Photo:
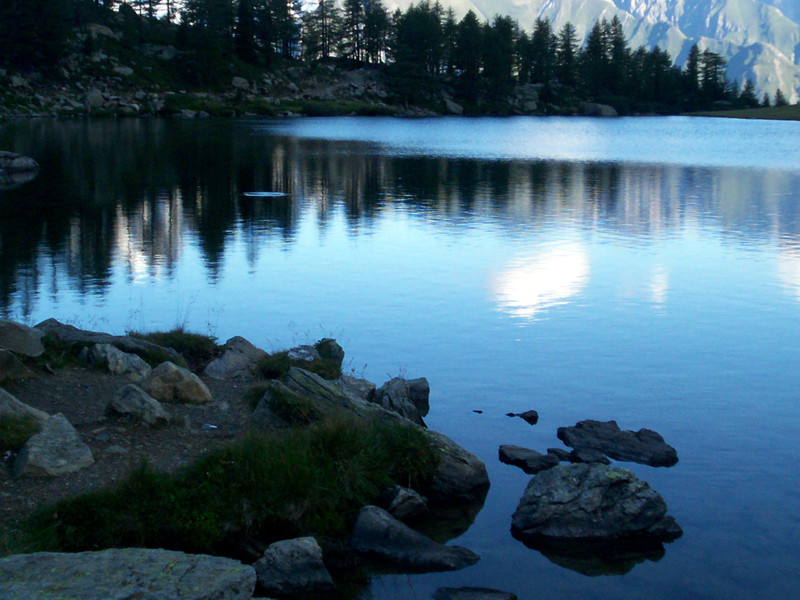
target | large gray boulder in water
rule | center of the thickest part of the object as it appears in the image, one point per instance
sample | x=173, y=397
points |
x=644, y=446
x=125, y=573
x=591, y=502
x=378, y=534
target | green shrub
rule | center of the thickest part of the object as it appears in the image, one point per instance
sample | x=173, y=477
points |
x=292, y=408
x=15, y=431
x=278, y=364
x=197, y=349
x=303, y=481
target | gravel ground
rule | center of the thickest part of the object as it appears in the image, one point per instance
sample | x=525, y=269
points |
x=118, y=444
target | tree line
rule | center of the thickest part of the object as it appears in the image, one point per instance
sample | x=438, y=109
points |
x=420, y=49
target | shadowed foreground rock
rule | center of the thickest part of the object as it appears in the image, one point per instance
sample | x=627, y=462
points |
x=124, y=573
x=294, y=568
x=591, y=502
x=378, y=534
x=644, y=446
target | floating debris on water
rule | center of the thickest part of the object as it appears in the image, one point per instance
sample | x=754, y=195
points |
x=265, y=194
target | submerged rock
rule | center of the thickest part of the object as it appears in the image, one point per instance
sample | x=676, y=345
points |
x=125, y=573
x=378, y=534
x=644, y=446
x=591, y=502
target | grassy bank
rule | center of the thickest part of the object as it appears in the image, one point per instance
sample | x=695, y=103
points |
x=267, y=487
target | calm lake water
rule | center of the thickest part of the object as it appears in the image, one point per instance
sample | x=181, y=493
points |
x=642, y=270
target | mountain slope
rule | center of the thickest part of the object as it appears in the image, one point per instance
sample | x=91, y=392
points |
x=759, y=40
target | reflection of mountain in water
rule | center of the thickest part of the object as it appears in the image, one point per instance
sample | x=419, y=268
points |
x=136, y=192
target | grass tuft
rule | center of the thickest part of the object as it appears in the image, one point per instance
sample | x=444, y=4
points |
x=197, y=349
x=277, y=365
x=15, y=431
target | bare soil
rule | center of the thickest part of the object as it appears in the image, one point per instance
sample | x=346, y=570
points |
x=118, y=444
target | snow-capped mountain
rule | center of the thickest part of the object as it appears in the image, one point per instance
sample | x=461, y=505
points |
x=759, y=38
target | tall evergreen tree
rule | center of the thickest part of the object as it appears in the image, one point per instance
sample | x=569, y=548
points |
x=567, y=55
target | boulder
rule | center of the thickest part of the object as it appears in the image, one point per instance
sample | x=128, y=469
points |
x=13, y=408
x=132, y=401
x=94, y=98
x=125, y=573
x=453, y=107
x=593, y=109
x=172, y=383
x=240, y=83
x=294, y=568
x=56, y=450
x=126, y=343
x=237, y=360
x=305, y=353
x=460, y=476
x=561, y=454
x=378, y=534
x=529, y=461
x=408, y=398
x=531, y=417
x=588, y=455
x=16, y=170
x=643, y=446
x=329, y=349
x=19, y=338
x=471, y=593
x=357, y=388
x=403, y=503
x=120, y=363
x=591, y=502
x=12, y=369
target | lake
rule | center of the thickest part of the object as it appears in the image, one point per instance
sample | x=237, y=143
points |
x=645, y=270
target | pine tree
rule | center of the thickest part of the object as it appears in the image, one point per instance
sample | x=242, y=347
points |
x=780, y=99
x=567, y=55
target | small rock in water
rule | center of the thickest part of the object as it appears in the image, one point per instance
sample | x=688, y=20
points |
x=471, y=593
x=529, y=461
x=529, y=416
x=480, y=412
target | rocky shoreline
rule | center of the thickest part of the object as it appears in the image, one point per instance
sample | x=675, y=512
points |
x=122, y=399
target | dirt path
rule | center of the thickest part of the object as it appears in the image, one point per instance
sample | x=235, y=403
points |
x=118, y=445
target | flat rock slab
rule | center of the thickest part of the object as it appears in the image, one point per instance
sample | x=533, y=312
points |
x=471, y=593
x=591, y=502
x=378, y=534
x=56, y=450
x=644, y=446
x=124, y=573
x=529, y=461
